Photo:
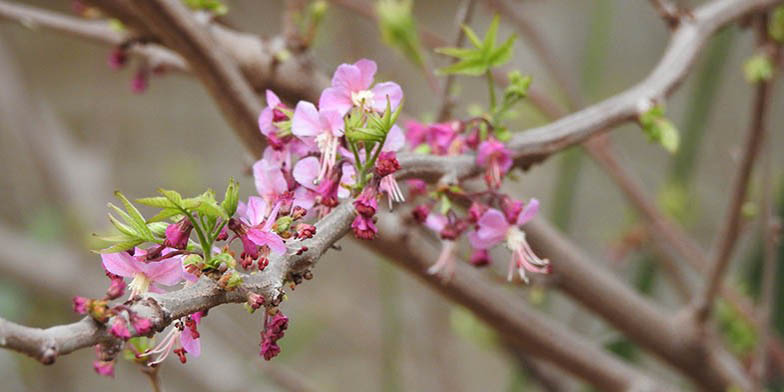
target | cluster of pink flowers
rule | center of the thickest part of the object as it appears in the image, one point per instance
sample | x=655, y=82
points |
x=309, y=162
x=344, y=148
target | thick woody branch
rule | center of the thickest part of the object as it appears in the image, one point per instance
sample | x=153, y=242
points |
x=526, y=329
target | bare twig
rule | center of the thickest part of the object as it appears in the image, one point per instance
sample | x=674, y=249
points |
x=669, y=12
x=462, y=18
x=730, y=226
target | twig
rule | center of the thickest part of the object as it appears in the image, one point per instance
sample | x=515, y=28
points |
x=729, y=231
x=462, y=17
x=669, y=12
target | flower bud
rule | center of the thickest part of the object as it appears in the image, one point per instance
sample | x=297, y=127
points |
x=104, y=368
x=364, y=228
x=480, y=257
x=420, y=213
x=120, y=329
x=81, y=304
x=305, y=230
x=116, y=288
x=387, y=164
x=177, y=234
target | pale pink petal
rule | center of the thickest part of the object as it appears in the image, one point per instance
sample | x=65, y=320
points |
x=272, y=99
x=242, y=210
x=333, y=121
x=528, y=212
x=306, y=171
x=265, y=122
x=121, y=264
x=347, y=179
x=303, y=197
x=166, y=272
x=367, y=70
x=191, y=345
x=492, y=229
x=383, y=90
x=269, y=179
x=395, y=139
x=270, y=239
x=436, y=222
x=333, y=98
x=256, y=210
x=306, y=123
x=348, y=77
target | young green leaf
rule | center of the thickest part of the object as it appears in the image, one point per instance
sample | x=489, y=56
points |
x=231, y=198
x=136, y=219
x=483, y=57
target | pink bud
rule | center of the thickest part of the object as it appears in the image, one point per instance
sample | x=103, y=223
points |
x=104, y=368
x=177, y=234
x=116, y=288
x=117, y=59
x=305, y=230
x=420, y=213
x=81, y=304
x=120, y=329
x=364, y=228
x=142, y=325
x=480, y=258
x=140, y=81
x=387, y=164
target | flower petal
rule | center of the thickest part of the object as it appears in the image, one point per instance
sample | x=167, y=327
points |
x=332, y=120
x=528, y=212
x=348, y=179
x=269, y=179
x=348, y=77
x=306, y=171
x=261, y=238
x=395, y=139
x=306, y=123
x=367, y=70
x=383, y=90
x=120, y=263
x=333, y=98
x=272, y=99
x=256, y=210
x=167, y=272
x=192, y=346
x=435, y=222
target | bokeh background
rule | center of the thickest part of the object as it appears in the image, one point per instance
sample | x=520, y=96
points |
x=71, y=132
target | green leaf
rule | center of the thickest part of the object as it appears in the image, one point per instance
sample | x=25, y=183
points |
x=659, y=129
x=207, y=205
x=157, y=201
x=483, y=57
x=173, y=197
x=158, y=228
x=776, y=24
x=121, y=246
x=136, y=221
x=398, y=30
x=164, y=214
x=123, y=228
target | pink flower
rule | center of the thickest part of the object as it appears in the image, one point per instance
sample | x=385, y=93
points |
x=496, y=159
x=104, y=368
x=366, y=204
x=320, y=128
x=256, y=231
x=494, y=228
x=270, y=181
x=273, y=113
x=185, y=334
x=146, y=276
x=325, y=192
x=274, y=329
x=364, y=228
x=351, y=87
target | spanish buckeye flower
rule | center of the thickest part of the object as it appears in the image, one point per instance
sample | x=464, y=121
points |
x=259, y=220
x=306, y=173
x=351, y=88
x=494, y=228
x=445, y=265
x=145, y=276
x=323, y=129
x=185, y=333
x=269, y=116
x=496, y=159
x=442, y=138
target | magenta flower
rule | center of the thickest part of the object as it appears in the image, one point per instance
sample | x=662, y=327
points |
x=259, y=220
x=273, y=113
x=184, y=334
x=496, y=159
x=364, y=228
x=145, y=276
x=326, y=192
x=442, y=138
x=351, y=88
x=177, y=234
x=270, y=181
x=274, y=329
x=120, y=328
x=494, y=228
x=320, y=128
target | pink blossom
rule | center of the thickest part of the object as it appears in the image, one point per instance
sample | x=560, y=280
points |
x=81, y=304
x=326, y=192
x=494, y=228
x=496, y=159
x=351, y=87
x=272, y=114
x=320, y=128
x=269, y=179
x=184, y=334
x=260, y=219
x=274, y=329
x=146, y=276
x=364, y=228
